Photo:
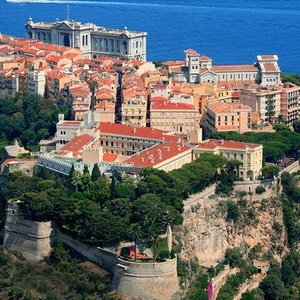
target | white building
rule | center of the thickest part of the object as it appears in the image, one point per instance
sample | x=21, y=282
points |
x=36, y=82
x=199, y=68
x=92, y=40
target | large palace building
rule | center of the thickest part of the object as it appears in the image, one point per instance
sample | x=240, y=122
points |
x=92, y=40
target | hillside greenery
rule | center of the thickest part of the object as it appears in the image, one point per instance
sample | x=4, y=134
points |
x=61, y=276
x=100, y=211
x=293, y=78
x=29, y=119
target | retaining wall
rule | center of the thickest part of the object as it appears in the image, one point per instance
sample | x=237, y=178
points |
x=28, y=239
x=250, y=186
x=102, y=257
x=143, y=280
x=146, y=280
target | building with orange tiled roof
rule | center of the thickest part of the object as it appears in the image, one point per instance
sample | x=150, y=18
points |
x=134, y=100
x=80, y=97
x=179, y=118
x=221, y=116
x=250, y=155
x=167, y=156
x=105, y=111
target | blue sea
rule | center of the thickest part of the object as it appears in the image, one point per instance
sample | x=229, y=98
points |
x=231, y=32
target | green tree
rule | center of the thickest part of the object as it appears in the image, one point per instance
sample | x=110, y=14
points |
x=135, y=232
x=273, y=287
x=76, y=180
x=124, y=190
x=86, y=170
x=95, y=172
x=235, y=257
x=296, y=126
x=270, y=107
x=270, y=171
x=154, y=242
x=233, y=212
x=101, y=190
x=113, y=187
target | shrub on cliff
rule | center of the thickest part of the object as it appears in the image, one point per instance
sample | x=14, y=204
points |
x=233, y=212
x=260, y=190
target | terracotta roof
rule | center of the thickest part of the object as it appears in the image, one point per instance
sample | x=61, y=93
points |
x=76, y=144
x=173, y=63
x=233, y=68
x=222, y=107
x=138, y=132
x=172, y=106
x=205, y=58
x=270, y=67
x=109, y=157
x=270, y=57
x=212, y=144
x=71, y=123
x=157, y=154
x=18, y=160
x=158, y=99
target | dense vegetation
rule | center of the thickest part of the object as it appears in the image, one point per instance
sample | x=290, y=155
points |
x=276, y=145
x=28, y=119
x=60, y=277
x=99, y=211
x=293, y=78
x=291, y=205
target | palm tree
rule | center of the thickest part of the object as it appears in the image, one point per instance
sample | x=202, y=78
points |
x=154, y=242
x=76, y=180
x=135, y=231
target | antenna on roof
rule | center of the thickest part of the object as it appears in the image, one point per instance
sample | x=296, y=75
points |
x=68, y=10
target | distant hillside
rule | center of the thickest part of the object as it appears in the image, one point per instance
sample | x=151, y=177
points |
x=294, y=78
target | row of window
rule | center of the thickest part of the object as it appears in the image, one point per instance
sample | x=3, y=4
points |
x=85, y=40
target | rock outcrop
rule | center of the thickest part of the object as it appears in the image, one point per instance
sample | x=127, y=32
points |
x=205, y=233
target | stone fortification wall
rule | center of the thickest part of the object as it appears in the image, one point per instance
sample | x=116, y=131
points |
x=101, y=257
x=146, y=280
x=294, y=167
x=28, y=239
x=250, y=186
x=142, y=280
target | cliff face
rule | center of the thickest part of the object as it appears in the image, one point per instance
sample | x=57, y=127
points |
x=205, y=233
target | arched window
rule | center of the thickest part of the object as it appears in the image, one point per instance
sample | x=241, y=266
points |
x=83, y=40
x=67, y=40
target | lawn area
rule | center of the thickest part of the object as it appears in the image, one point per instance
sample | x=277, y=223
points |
x=162, y=245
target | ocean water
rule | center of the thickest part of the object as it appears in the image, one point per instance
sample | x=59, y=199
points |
x=229, y=31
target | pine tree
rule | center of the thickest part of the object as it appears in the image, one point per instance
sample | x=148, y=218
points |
x=86, y=170
x=72, y=172
x=113, y=187
x=96, y=172
x=270, y=108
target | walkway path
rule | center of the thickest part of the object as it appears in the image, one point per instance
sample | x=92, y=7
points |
x=199, y=198
x=220, y=280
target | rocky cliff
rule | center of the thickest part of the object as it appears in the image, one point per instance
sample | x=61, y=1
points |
x=206, y=234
